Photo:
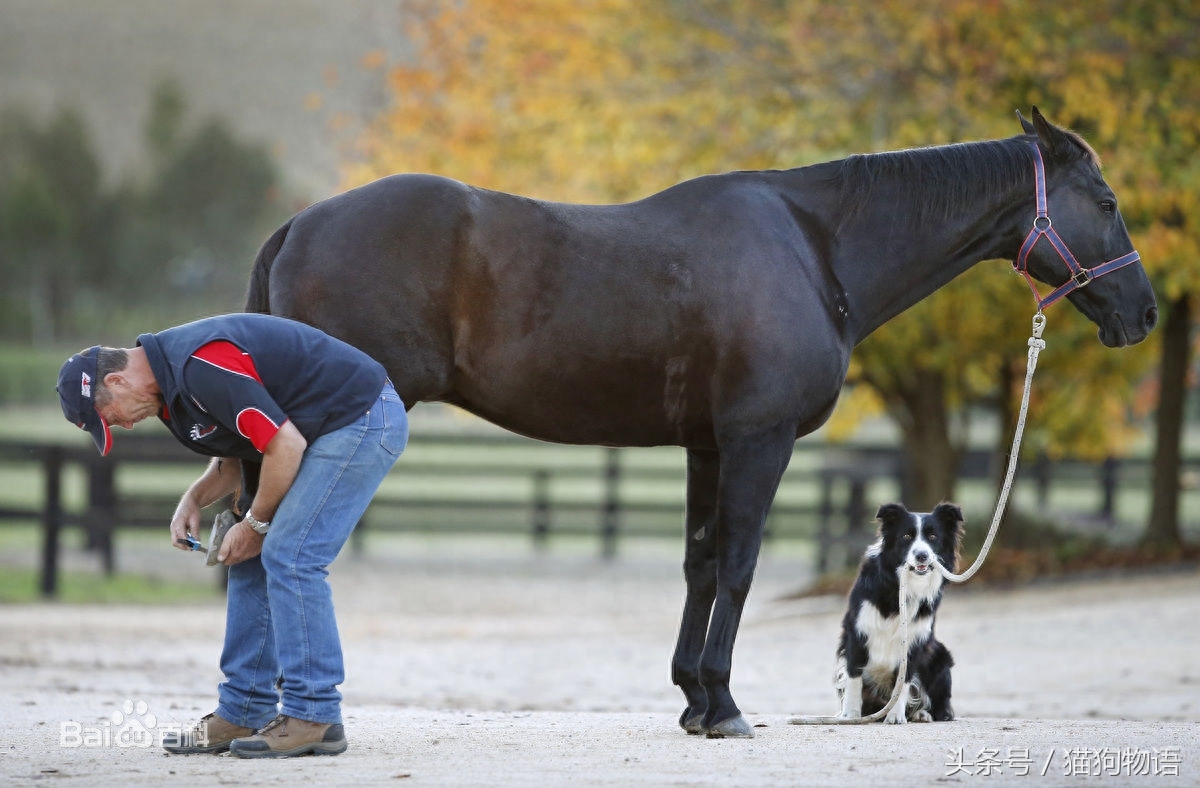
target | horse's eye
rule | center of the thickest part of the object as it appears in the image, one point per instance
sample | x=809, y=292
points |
x=1108, y=206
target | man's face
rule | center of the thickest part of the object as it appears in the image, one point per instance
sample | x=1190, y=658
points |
x=127, y=406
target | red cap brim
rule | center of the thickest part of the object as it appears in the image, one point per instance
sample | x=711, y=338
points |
x=101, y=434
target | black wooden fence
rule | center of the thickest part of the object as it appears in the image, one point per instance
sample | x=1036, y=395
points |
x=612, y=493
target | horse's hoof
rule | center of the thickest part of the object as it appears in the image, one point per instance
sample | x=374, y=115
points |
x=694, y=724
x=732, y=728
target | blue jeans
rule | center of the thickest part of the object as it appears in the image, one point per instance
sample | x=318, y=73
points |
x=281, y=638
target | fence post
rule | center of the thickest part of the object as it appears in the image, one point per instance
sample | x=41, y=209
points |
x=611, y=513
x=825, y=522
x=541, y=507
x=1108, y=485
x=51, y=520
x=1043, y=472
x=102, y=510
x=856, y=509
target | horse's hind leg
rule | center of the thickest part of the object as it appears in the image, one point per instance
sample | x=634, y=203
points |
x=700, y=574
x=750, y=471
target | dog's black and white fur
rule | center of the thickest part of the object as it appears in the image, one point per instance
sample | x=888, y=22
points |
x=869, y=651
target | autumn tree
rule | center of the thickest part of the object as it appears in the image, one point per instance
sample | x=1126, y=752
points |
x=956, y=71
x=1156, y=86
x=608, y=100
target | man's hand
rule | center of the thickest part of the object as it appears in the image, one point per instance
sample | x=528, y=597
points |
x=186, y=520
x=218, y=480
x=240, y=543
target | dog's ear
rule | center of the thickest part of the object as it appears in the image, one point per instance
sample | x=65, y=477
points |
x=890, y=514
x=951, y=517
x=949, y=514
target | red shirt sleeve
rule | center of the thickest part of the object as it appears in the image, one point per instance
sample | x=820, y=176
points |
x=228, y=386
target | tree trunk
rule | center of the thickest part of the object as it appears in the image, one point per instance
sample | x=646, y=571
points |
x=1162, y=530
x=931, y=458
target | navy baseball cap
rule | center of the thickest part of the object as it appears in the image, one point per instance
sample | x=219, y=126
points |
x=76, y=384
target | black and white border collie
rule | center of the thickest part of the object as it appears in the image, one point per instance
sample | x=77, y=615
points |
x=868, y=656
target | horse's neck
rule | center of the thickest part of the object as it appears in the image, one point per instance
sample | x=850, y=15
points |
x=891, y=249
x=902, y=274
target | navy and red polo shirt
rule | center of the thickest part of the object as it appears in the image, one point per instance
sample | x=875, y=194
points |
x=229, y=383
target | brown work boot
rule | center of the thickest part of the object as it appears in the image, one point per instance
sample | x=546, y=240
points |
x=286, y=736
x=211, y=734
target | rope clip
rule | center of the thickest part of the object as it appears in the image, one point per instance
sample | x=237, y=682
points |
x=1036, y=343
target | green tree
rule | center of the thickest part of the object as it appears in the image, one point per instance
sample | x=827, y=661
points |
x=84, y=261
x=52, y=221
x=193, y=219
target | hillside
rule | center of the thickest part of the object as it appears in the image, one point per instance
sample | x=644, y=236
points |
x=281, y=71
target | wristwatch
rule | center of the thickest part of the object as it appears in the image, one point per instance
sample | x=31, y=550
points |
x=256, y=525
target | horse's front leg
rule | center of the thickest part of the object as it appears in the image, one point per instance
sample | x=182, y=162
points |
x=750, y=471
x=700, y=574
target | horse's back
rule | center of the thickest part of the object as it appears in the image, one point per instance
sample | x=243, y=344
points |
x=373, y=266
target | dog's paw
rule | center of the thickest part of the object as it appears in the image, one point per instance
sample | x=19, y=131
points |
x=921, y=716
x=896, y=716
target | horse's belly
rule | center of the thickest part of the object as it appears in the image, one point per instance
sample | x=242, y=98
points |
x=570, y=401
x=570, y=395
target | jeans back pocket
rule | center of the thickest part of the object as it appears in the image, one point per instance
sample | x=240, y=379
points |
x=394, y=436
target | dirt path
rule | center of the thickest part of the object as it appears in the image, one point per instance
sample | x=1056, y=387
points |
x=493, y=666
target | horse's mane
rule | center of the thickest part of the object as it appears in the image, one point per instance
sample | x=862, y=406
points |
x=945, y=178
x=941, y=179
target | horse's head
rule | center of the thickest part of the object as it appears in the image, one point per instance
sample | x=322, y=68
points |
x=1082, y=223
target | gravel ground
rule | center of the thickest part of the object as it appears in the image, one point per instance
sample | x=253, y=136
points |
x=474, y=662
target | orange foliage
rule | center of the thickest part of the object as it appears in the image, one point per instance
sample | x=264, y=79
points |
x=609, y=100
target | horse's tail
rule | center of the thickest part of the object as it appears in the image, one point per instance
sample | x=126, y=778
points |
x=258, y=298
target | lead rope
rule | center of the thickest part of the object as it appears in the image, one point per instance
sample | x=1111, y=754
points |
x=1036, y=346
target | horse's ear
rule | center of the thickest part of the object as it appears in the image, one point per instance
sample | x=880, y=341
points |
x=1025, y=124
x=1053, y=139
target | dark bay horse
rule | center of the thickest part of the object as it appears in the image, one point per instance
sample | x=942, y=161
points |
x=717, y=315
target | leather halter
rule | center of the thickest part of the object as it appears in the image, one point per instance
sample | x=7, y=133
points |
x=1044, y=228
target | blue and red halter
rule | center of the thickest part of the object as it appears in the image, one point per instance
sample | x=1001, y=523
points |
x=1044, y=228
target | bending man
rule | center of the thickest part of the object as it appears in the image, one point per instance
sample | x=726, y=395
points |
x=307, y=426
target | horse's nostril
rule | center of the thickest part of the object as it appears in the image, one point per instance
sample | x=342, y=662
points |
x=1151, y=318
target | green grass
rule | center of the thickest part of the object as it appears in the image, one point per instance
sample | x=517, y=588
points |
x=20, y=585
x=20, y=576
